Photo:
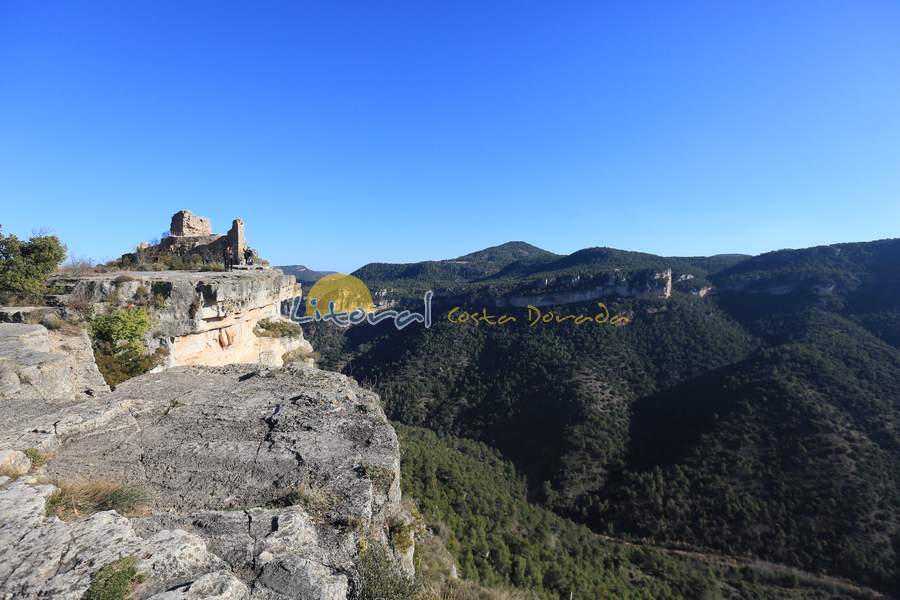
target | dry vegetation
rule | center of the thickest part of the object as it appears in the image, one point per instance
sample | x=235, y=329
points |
x=317, y=501
x=381, y=477
x=299, y=355
x=37, y=457
x=7, y=471
x=270, y=328
x=75, y=499
x=78, y=266
x=403, y=530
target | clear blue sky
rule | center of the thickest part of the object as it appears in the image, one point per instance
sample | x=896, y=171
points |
x=349, y=132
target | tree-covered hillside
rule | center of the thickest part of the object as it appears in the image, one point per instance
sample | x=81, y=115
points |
x=860, y=281
x=792, y=454
x=759, y=420
x=475, y=504
x=440, y=273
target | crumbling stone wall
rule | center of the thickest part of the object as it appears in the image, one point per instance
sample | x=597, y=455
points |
x=193, y=242
x=187, y=224
x=237, y=241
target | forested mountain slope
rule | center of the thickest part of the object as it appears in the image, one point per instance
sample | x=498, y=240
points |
x=759, y=419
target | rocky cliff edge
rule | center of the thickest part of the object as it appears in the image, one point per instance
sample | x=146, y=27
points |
x=258, y=484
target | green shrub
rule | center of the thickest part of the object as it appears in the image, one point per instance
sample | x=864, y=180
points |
x=119, y=344
x=52, y=322
x=122, y=327
x=117, y=366
x=269, y=328
x=115, y=581
x=142, y=296
x=25, y=266
x=402, y=531
x=161, y=288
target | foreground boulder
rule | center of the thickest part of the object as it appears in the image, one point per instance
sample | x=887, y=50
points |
x=259, y=484
x=48, y=364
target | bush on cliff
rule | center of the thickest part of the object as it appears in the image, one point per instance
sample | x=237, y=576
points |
x=119, y=349
x=270, y=328
x=25, y=266
x=376, y=577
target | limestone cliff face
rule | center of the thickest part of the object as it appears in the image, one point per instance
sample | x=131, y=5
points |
x=201, y=318
x=577, y=288
x=263, y=484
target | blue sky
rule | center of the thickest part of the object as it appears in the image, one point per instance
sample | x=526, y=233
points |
x=349, y=132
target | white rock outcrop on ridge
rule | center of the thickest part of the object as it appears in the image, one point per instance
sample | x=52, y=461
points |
x=202, y=318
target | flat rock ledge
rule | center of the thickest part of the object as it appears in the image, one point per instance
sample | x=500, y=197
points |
x=261, y=484
x=38, y=363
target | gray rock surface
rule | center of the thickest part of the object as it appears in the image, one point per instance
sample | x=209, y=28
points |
x=221, y=585
x=88, y=382
x=28, y=368
x=262, y=484
x=52, y=365
x=14, y=462
x=44, y=557
x=23, y=314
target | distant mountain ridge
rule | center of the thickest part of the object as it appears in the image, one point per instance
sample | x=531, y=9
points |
x=472, y=266
x=304, y=274
x=761, y=418
x=521, y=268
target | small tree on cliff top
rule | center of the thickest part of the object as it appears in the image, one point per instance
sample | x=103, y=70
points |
x=25, y=266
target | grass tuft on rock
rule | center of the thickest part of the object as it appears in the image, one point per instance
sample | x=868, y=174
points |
x=299, y=355
x=381, y=477
x=37, y=457
x=6, y=471
x=317, y=501
x=75, y=499
x=270, y=328
x=115, y=581
x=377, y=577
x=403, y=529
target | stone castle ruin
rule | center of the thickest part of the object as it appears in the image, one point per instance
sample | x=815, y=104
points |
x=191, y=242
x=187, y=224
x=201, y=315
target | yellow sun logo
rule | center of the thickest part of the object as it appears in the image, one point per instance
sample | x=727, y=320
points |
x=346, y=291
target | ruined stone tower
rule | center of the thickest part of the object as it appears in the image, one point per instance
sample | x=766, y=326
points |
x=236, y=240
x=187, y=224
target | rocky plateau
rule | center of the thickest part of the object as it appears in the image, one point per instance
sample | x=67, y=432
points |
x=259, y=483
